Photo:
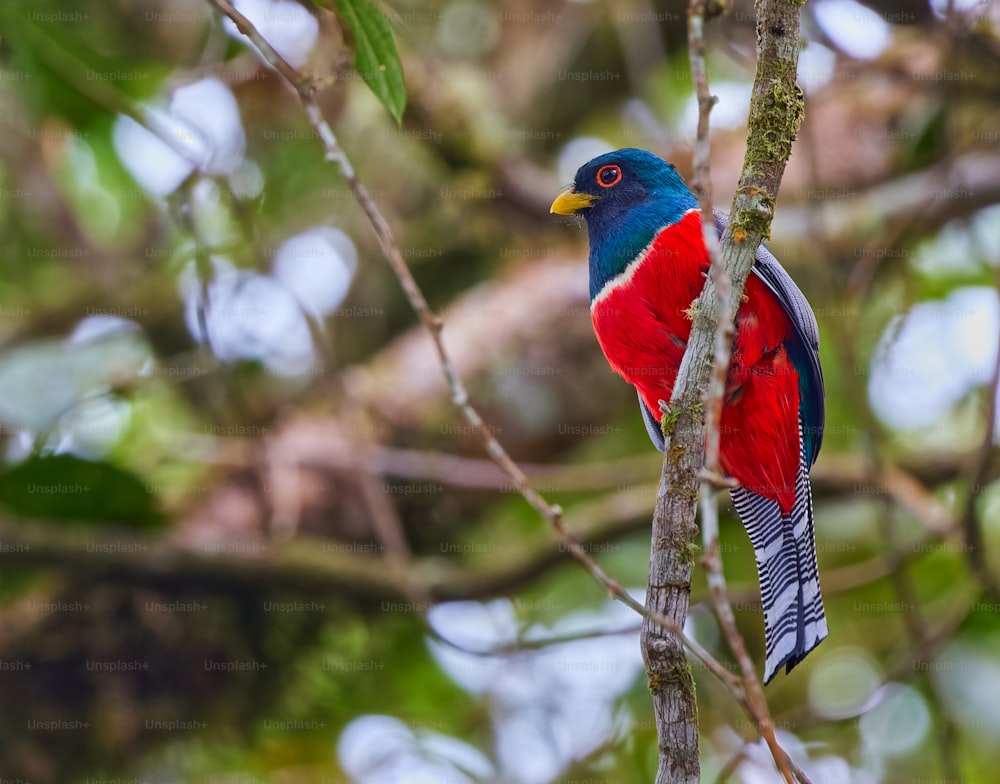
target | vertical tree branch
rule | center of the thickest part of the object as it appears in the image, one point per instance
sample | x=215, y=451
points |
x=714, y=397
x=776, y=109
x=668, y=592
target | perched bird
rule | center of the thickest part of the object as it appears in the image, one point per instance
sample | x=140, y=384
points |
x=648, y=263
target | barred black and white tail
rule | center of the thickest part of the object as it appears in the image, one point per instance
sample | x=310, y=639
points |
x=785, y=549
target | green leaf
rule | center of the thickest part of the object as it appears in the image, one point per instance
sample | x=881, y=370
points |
x=64, y=487
x=375, y=56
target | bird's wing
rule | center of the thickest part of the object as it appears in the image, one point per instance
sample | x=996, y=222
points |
x=652, y=425
x=804, y=351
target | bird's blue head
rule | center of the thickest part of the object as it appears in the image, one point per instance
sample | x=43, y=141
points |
x=626, y=197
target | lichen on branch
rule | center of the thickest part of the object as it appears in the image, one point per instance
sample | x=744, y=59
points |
x=776, y=111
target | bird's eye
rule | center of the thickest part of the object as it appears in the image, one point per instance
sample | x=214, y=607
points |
x=608, y=176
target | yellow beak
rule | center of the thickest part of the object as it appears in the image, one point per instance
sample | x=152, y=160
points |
x=570, y=202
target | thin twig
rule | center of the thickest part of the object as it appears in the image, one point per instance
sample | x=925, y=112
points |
x=524, y=646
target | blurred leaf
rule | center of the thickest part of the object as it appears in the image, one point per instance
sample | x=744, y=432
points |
x=41, y=381
x=29, y=395
x=76, y=71
x=108, y=206
x=63, y=487
x=375, y=56
x=14, y=583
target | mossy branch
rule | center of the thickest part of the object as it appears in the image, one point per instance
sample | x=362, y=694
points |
x=776, y=110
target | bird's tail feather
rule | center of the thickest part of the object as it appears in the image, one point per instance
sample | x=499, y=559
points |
x=785, y=550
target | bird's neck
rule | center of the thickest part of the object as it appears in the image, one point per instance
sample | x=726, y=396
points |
x=618, y=245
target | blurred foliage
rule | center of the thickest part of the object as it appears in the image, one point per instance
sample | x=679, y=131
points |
x=204, y=360
x=66, y=487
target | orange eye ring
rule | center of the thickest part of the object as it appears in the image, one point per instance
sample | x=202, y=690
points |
x=609, y=175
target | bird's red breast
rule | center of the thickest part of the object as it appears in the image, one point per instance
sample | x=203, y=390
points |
x=642, y=322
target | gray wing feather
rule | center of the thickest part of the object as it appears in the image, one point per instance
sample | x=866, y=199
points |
x=652, y=425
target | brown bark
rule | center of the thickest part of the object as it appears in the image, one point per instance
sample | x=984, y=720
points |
x=776, y=110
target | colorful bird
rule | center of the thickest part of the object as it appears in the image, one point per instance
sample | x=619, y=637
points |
x=648, y=263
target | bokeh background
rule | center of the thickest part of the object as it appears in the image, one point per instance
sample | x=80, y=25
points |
x=245, y=537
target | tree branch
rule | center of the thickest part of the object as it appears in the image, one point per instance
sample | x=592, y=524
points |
x=671, y=683
x=714, y=397
x=776, y=109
